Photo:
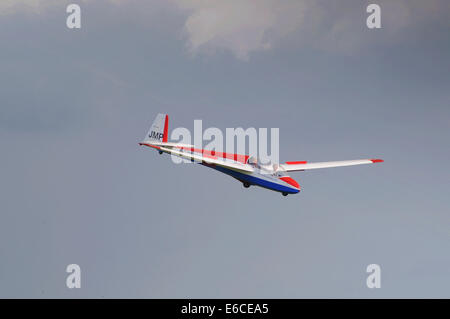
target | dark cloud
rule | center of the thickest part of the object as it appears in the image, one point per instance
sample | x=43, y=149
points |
x=76, y=188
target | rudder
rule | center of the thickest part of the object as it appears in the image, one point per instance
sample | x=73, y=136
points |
x=159, y=130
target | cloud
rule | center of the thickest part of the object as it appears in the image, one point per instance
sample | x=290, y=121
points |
x=40, y=6
x=37, y=6
x=241, y=26
x=246, y=26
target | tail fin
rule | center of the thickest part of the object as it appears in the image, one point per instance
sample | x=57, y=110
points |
x=159, y=130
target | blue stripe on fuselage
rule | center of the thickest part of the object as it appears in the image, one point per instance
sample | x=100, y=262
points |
x=255, y=180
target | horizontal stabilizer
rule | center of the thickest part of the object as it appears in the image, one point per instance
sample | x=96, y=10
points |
x=167, y=144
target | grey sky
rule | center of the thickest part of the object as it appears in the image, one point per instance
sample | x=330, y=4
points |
x=76, y=188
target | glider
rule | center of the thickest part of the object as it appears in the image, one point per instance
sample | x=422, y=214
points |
x=247, y=169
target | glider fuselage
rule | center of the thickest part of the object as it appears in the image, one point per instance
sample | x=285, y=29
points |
x=272, y=181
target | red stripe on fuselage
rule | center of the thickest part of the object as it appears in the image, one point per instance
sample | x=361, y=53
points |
x=214, y=154
x=290, y=181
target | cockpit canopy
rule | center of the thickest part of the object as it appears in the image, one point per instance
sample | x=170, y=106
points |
x=273, y=169
x=252, y=160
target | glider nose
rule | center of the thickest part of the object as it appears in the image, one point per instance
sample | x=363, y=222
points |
x=290, y=181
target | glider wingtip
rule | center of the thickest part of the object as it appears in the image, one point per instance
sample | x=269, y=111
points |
x=377, y=160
